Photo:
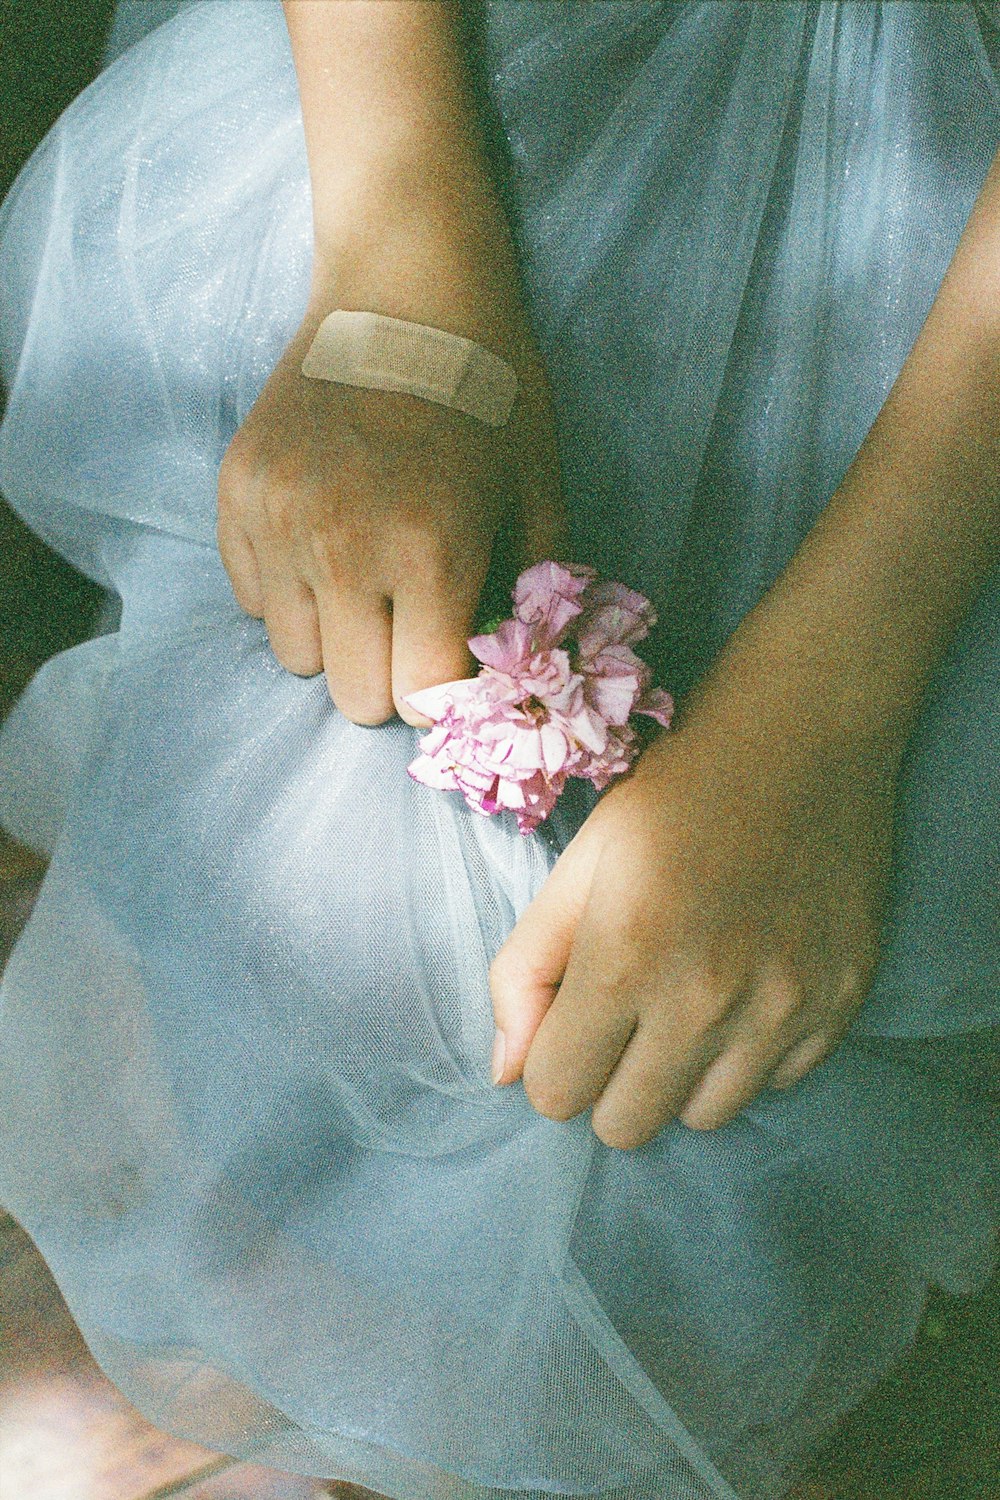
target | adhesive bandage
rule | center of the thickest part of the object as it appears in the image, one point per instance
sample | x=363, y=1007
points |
x=390, y=354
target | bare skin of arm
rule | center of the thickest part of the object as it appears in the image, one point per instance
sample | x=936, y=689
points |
x=360, y=525
x=713, y=927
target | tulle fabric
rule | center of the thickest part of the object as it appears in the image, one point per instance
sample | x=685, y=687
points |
x=244, y=1038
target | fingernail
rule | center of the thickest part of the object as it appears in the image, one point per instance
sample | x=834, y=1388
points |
x=499, y=1052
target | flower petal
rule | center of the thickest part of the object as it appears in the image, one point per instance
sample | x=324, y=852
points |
x=547, y=596
x=506, y=649
x=434, y=773
x=658, y=704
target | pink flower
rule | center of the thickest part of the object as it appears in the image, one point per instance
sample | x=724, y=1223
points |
x=613, y=615
x=547, y=596
x=506, y=648
x=553, y=698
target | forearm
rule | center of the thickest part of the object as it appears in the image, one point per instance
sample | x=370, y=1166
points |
x=404, y=207
x=866, y=608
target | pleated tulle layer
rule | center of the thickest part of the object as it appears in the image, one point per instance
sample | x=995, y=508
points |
x=244, y=1038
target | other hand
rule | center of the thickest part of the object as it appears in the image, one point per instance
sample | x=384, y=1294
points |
x=713, y=927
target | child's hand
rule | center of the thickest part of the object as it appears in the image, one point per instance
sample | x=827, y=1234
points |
x=712, y=928
x=360, y=524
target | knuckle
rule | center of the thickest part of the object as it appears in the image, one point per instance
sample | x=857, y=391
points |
x=335, y=547
x=410, y=518
x=324, y=552
x=629, y=932
x=789, y=1000
x=234, y=561
x=225, y=530
x=421, y=544
x=829, y=1039
x=226, y=542
x=282, y=512
x=283, y=473
x=712, y=1003
x=852, y=985
x=716, y=1012
x=235, y=471
x=858, y=972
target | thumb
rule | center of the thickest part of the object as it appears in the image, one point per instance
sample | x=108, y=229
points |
x=528, y=967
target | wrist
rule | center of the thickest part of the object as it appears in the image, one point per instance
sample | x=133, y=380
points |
x=457, y=273
x=407, y=178
x=813, y=679
x=850, y=634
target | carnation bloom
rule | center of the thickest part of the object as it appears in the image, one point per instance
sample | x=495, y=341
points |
x=558, y=684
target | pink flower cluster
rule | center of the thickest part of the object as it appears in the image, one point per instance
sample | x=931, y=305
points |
x=553, y=698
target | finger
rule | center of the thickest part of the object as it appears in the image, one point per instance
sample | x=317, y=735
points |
x=685, y=1030
x=731, y=1082
x=802, y=1059
x=774, y=1015
x=527, y=969
x=431, y=623
x=240, y=562
x=585, y=1028
x=356, y=630
x=641, y=1094
x=844, y=996
x=605, y=989
x=291, y=618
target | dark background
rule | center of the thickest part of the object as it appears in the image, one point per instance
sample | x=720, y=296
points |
x=49, y=50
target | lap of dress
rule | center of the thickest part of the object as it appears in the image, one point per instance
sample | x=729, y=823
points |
x=244, y=1038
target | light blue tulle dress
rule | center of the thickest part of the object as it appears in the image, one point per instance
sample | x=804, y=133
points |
x=245, y=1106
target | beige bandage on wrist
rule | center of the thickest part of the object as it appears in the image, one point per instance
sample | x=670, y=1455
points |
x=390, y=354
